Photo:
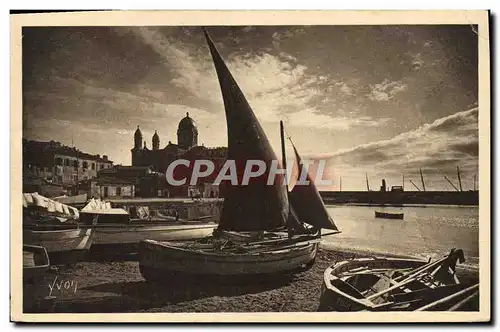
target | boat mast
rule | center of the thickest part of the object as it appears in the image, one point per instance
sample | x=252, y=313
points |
x=422, y=178
x=403, y=182
x=451, y=183
x=340, y=180
x=367, y=184
x=459, y=179
x=475, y=182
x=77, y=167
x=415, y=185
x=283, y=153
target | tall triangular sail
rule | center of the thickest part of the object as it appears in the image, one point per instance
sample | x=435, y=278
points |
x=256, y=206
x=307, y=201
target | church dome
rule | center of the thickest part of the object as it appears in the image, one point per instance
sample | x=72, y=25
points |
x=187, y=133
x=187, y=124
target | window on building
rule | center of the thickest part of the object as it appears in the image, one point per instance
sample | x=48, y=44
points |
x=85, y=164
x=66, y=162
x=75, y=163
x=118, y=191
x=93, y=166
x=58, y=161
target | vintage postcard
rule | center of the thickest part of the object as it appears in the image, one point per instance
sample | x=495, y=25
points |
x=316, y=166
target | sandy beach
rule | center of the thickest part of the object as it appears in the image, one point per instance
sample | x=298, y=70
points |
x=105, y=286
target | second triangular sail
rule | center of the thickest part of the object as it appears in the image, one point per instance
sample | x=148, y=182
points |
x=307, y=201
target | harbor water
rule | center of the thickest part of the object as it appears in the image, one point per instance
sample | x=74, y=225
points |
x=426, y=231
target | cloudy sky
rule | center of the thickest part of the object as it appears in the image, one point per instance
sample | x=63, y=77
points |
x=386, y=100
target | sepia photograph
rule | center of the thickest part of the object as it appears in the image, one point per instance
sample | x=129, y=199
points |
x=252, y=166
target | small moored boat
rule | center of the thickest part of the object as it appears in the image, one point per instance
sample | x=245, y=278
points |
x=389, y=215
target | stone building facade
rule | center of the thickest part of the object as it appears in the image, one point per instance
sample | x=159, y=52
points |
x=58, y=165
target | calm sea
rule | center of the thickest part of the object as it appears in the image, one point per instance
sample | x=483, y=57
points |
x=426, y=231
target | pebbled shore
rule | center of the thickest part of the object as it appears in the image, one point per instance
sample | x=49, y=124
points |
x=103, y=286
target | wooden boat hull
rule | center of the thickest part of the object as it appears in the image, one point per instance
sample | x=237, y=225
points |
x=59, y=243
x=337, y=295
x=133, y=234
x=157, y=258
x=36, y=262
x=36, y=272
x=386, y=215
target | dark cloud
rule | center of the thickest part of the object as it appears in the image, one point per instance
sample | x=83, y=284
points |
x=437, y=148
x=453, y=123
x=471, y=148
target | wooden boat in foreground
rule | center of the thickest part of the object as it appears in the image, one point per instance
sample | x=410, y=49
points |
x=389, y=284
x=35, y=262
x=194, y=259
x=263, y=229
x=389, y=215
x=36, y=272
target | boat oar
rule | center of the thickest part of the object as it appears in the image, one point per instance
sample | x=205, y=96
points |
x=284, y=247
x=411, y=276
x=331, y=233
x=425, y=267
x=448, y=298
x=282, y=239
x=461, y=303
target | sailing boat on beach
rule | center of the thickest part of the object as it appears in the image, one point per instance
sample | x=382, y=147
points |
x=263, y=229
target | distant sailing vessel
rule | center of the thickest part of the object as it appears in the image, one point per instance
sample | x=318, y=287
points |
x=389, y=215
x=395, y=284
x=263, y=229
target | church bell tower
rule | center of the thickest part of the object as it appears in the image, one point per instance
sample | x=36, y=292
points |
x=136, y=151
